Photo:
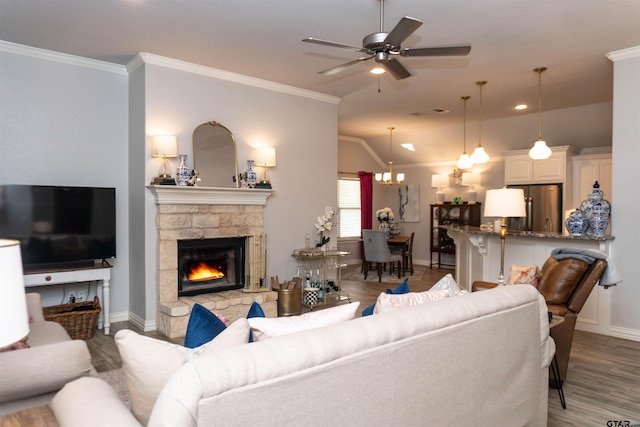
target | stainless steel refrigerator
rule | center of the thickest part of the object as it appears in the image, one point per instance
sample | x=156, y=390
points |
x=543, y=206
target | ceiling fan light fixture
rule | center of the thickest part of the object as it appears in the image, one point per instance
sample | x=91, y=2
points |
x=387, y=177
x=377, y=70
x=540, y=150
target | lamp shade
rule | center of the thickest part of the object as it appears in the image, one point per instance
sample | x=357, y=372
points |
x=164, y=146
x=14, y=320
x=266, y=157
x=505, y=202
x=540, y=151
x=471, y=178
x=439, y=180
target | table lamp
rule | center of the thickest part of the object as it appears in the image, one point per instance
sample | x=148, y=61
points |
x=471, y=179
x=439, y=181
x=164, y=146
x=265, y=157
x=503, y=203
x=14, y=319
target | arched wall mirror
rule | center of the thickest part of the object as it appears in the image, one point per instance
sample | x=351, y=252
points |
x=214, y=155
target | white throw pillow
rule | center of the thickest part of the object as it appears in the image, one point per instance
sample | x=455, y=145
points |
x=390, y=302
x=148, y=363
x=449, y=283
x=263, y=328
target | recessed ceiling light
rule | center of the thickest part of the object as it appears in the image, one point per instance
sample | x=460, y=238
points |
x=409, y=147
x=521, y=107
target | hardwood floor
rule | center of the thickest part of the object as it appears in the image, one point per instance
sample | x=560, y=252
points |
x=603, y=382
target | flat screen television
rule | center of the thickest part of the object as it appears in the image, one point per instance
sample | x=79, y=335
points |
x=59, y=227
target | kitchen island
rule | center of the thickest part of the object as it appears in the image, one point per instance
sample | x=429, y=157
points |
x=478, y=258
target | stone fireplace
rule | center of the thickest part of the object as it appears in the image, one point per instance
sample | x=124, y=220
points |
x=197, y=214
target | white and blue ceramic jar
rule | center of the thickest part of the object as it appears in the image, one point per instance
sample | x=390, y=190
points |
x=182, y=173
x=599, y=219
x=595, y=198
x=576, y=223
x=252, y=177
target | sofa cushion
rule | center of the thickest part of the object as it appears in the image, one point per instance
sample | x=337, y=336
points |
x=390, y=302
x=402, y=288
x=448, y=283
x=263, y=328
x=203, y=326
x=560, y=278
x=148, y=363
x=519, y=274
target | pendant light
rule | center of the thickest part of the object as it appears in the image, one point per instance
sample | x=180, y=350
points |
x=387, y=177
x=480, y=156
x=540, y=151
x=464, y=162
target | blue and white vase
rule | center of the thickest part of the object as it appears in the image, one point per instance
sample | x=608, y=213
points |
x=599, y=220
x=182, y=173
x=384, y=227
x=576, y=223
x=252, y=176
x=595, y=198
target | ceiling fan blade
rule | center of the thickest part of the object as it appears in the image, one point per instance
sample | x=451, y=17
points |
x=396, y=69
x=437, y=51
x=333, y=44
x=402, y=30
x=337, y=69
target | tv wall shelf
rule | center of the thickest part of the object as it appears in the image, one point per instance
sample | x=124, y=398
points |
x=100, y=273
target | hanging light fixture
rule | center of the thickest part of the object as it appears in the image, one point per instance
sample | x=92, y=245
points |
x=464, y=162
x=540, y=151
x=480, y=156
x=387, y=177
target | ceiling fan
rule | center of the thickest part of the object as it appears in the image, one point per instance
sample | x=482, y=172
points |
x=382, y=46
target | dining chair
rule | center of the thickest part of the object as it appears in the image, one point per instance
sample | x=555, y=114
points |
x=407, y=261
x=376, y=250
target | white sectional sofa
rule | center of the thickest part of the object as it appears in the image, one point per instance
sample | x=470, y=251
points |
x=477, y=359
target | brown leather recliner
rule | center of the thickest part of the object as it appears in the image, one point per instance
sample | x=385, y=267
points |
x=565, y=286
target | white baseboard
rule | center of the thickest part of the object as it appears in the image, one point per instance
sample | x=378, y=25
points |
x=626, y=333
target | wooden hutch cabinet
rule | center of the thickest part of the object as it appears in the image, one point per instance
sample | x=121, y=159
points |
x=449, y=214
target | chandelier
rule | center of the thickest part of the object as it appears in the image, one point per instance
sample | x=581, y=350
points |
x=387, y=177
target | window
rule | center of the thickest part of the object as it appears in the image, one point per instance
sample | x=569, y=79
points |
x=348, y=207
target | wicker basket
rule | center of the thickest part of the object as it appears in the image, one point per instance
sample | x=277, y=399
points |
x=78, y=319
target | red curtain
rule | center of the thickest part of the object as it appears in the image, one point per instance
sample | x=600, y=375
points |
x=366, y=200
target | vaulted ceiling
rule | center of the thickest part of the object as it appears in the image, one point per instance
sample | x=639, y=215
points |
x=262, y=38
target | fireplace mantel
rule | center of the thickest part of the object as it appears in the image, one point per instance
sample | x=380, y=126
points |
x=174, y=195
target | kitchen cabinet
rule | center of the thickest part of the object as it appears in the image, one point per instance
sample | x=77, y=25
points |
x=587, y=170
x=519, y=168
x=450, y=214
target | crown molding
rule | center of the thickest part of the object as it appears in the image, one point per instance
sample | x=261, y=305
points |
x=619, y=55
x=148, y=58
x=64, y=58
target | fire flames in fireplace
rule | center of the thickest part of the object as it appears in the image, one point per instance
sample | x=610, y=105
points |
x=202, y=272
x=210, y=265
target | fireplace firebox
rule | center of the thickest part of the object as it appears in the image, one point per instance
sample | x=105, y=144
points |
x=210, y=265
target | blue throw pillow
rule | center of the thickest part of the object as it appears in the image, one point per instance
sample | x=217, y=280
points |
x=402, y=288
x=254, y=311
x=203, y=326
